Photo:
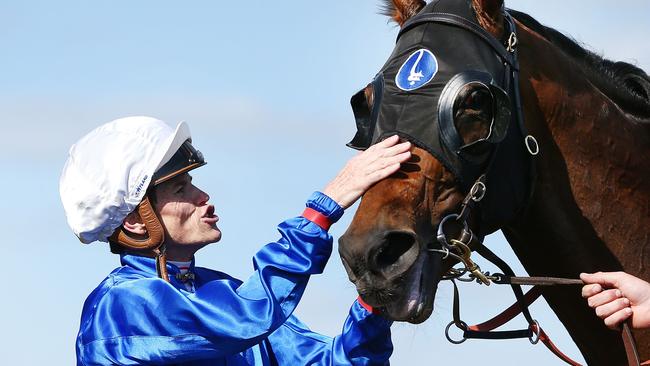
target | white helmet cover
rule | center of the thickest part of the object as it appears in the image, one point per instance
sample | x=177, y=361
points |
x=109, y=170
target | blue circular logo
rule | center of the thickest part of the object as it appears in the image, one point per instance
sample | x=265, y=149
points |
x=417, y=70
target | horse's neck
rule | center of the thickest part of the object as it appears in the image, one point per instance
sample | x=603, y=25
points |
x=601, y=162
x=593, y=183
x=589, y=210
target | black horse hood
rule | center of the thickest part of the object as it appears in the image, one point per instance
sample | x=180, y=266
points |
x=415, y=90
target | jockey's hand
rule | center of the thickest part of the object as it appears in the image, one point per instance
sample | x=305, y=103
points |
x=617, y=296
x=367, y=168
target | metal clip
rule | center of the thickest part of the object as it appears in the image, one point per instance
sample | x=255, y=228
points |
x=184, y=277
x=466, y=256
x=512, y=42
x=460, y=249
x=481, y=278
x=498, y=278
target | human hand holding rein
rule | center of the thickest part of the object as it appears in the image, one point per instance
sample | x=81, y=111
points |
x=617, y=296
x=367, y=168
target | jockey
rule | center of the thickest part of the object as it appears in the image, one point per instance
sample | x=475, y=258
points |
x=127, y=183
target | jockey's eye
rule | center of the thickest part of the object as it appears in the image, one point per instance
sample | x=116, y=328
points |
x=473, y=112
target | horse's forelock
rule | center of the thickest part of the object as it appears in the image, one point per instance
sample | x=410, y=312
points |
x=489, y=15
x=489, y=8
x=401, y=10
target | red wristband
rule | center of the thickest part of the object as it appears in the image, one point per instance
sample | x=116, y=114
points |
x=317, y=218
x=367, y=307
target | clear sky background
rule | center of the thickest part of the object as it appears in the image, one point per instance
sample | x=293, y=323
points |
x=265, y=87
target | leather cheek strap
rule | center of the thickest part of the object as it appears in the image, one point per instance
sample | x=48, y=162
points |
x=156, y=233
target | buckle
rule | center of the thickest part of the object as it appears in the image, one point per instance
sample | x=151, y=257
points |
x=511, y=44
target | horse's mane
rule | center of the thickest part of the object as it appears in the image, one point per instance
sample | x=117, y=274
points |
x=627, y=85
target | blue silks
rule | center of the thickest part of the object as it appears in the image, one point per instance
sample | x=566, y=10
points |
x=135, y=318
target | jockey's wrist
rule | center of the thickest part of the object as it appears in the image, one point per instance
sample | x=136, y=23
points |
x=326, y=206
x=317, y=218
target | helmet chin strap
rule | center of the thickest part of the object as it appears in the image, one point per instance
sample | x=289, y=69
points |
x=161, y=262
x=152, y=243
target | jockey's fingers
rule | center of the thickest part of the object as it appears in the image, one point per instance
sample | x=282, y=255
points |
x=399, y=158
x=380, y=153
x=614, y=320
x=591, y=290
x=603, y=297
x=387, y=142
x=606, y=310
x=396, y=149
x=388, y=161
x=607, y=279
x=384, y=172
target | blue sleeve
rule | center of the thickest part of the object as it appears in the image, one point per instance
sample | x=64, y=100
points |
x=365, y=340
x=148, y=320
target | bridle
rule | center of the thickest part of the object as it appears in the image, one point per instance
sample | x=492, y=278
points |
x=460, y=247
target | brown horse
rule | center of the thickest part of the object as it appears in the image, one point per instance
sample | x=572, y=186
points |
x=586, y=208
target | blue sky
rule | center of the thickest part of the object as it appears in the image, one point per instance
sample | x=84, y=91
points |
x=265, y=88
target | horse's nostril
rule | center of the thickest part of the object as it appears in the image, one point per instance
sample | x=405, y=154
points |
x=395, y=246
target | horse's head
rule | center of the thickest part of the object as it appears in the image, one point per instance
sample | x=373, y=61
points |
x=448, y=88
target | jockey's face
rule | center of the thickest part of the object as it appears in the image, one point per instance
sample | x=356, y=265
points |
x=190, y=222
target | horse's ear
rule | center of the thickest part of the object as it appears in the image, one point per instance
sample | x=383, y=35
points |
x=489, y=13
x=401, y=10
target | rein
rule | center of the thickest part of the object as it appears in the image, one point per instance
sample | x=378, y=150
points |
x=461, y=249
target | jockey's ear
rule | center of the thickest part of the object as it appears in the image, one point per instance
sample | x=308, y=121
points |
x=401, y=10
x=489, y=14
x=133, y=223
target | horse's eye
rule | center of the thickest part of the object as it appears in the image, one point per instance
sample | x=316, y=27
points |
x=473, y=112
x=478, y=100
x=370, y=96
x=475, y=98
x=362, y=106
